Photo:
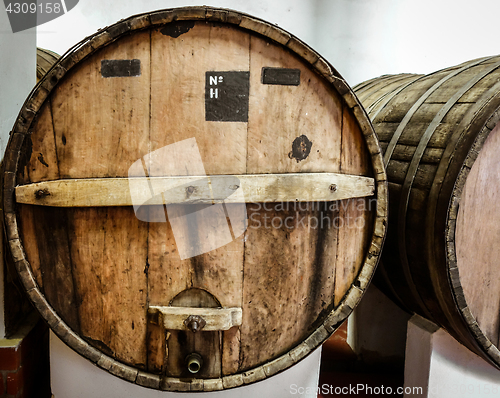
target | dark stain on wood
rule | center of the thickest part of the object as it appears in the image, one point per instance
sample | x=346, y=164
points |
x=42, y=161
x=55, y=263
x=177, y=29
x=24, y=158
x=100, y=346
x=301, y=148
x=198, y=266
x=156, y=347
x=120, y=67
x=42, y=193
x=317, y=282
x=281, y=76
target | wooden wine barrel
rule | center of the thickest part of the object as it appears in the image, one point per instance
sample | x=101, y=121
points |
x=194, y=199
x=440, y=137
x=44, y=61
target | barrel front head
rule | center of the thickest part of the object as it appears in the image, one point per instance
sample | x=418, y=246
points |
x=194, y=199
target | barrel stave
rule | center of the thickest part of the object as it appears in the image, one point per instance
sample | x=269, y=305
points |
x=401, y=103
x=412, y=137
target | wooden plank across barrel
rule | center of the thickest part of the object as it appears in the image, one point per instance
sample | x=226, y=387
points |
x=194, y=199
x=440, y=136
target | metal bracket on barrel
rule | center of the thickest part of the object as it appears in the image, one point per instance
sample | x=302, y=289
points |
x=195, y=319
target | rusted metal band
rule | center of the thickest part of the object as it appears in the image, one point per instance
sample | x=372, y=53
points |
x=399, y=131
x=374, y=89
x=384, y=100
x=368, y=87
x=447, y=156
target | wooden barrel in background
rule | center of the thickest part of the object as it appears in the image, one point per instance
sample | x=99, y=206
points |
x=225, y=104
x=440, y=137
x=44, y=61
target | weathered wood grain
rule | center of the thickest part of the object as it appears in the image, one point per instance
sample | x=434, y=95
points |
x=378, y=104
x=308, y=113
x=109, y=255
x=111, y=282
x=56, y=265
x=30, y=244
x=281, y=240
x=43, y=163
x=278, y=275
x=44, y=61
x=222, y=148
x=355, y=215
x=117, y=117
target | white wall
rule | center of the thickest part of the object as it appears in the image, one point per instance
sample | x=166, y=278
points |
x=369, y=38
x=296, y=16
x=444, y=368
x=361, y=38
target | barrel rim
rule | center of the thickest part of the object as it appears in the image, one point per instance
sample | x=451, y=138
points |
x=149, y=20
x=489, y=349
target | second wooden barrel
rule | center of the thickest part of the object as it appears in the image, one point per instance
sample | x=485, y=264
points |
x=194, y=199
x=44, y=61
x=441, y=138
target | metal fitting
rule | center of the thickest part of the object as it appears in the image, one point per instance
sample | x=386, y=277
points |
x=194, y=362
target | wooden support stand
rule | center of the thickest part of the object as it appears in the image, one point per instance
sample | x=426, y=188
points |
x=438, y=366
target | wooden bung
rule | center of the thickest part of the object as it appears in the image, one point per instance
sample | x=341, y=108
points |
x=194, y=199
x=440, y=136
